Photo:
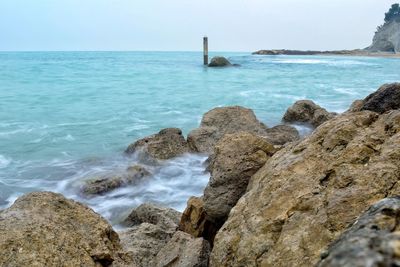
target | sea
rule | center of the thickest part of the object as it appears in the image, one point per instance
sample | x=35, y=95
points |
x=66, y=117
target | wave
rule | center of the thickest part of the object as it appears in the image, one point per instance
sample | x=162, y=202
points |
x=4, y=161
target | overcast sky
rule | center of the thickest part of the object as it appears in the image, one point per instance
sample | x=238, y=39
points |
x=232, y=25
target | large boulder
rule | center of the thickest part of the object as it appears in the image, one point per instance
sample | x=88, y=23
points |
x=307, y=194
x=166, y=218
x=194, y=220
x=166, y=144
x=374, y=240
x=183, y=250
x=219, y=62
x=281, y=134
x=236, y=158
x=46, y=229
x=306, y=111
x=101, y=185
x=142, y=242
x=220, y=121
x=386, y=98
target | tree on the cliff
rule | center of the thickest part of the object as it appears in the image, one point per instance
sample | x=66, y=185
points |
x=393, y=13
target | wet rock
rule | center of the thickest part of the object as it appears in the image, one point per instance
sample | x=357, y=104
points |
x=143, y=242
x=166, y=144
x=194, y=220
x=236, y=158
x=306, y=111
x=220, y=121
x=219, y=62
x=99, y=186
x=356, y=106
x=374, y=240
x=386, y=98
x=308, y=193
x=282, y=134
x=183, y=250
x=46, y=229
x=166, y=218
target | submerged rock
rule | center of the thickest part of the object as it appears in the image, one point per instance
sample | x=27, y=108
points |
x=308, y=193
x=219, y=62
x=236, y=158
x=166, y=218
x=194, y=220
x=46, y=229
x=183, y=250
x=166, y=144
x=374, y=240
x=306, y=111
x=102, y=185
x=143, y=242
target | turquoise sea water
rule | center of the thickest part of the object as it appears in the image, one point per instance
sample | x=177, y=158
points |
x=68, y=116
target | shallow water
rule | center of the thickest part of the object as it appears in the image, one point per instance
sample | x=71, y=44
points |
x=67, y=116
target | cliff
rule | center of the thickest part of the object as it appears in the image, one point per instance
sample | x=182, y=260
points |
x=387, y=38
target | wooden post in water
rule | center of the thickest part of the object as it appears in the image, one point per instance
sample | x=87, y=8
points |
x=205, y=50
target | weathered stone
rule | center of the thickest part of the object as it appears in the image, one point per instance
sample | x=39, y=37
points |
x=306, y=111
x=387, y=38
x=46, y=229
x=183, y=250
x=166, y=144
x=282, y=134
x=374, y=240
x=220, y=121
x=386, y=98
x=356, y=106
x=219, y=62
x=99, y=186
x=166, y=218
x=308, y=193
x=194, y=220
x=236, y=158
x=143, y=242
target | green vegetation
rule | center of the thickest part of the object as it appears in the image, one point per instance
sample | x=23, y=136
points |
x=393, y=13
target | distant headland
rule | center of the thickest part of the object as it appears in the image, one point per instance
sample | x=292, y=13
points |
x=386, y=41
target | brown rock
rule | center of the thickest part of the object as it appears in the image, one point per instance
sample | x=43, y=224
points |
x=306, y=111
x=166, y=144
x=236, y=158
x=374, y=240
x=220, y=121
x=183, y=250
x=99, y=186
x=282, y=134
x=386, y=98
x=143, y=242
x=166, y=218
x=194, y=220
x=46, y=229
x=307, y=194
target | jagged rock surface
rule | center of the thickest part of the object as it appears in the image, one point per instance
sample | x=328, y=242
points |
x=46, y=229
x=306, y=111
x=236, y=158
x=166, y=144
x=307, y=194
x=374, y=240
x=386, y=98
x=183, y=250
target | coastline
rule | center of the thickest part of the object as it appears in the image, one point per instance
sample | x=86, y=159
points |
x=355, y=53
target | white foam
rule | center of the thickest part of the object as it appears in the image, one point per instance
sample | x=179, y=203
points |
x=4, y=161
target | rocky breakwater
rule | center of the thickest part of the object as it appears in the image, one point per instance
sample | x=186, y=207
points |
x=307, y=193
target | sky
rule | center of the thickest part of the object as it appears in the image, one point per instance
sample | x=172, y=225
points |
x=179, y=25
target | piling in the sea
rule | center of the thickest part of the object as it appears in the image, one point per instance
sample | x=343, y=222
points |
x=205, y=50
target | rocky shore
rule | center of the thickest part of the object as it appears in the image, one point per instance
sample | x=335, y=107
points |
x=273, y=199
